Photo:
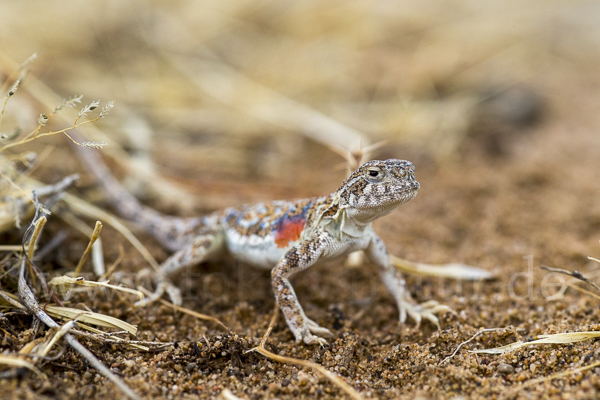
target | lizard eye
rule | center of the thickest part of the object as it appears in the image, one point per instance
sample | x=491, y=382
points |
x=374, y=174
x=403, y=174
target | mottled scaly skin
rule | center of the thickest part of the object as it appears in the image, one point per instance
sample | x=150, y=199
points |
x=284, y=236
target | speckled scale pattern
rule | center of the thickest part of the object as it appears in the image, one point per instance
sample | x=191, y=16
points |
x=284, y=236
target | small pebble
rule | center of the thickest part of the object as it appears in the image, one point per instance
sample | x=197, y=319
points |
x=191, y=366
x=505, y=369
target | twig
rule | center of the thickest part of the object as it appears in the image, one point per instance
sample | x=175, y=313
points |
x=335, y=379
x=467, y=341
x=574, y=274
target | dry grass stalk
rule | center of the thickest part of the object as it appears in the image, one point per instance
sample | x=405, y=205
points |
x=39, y=225
x=66, y=283
x=97, y=249
x=468, y=341
x=43, y=351
x=29, y=301
x=104, y=337
x=93, y=238
x=574, y=274
x=557, y=338
x=226, y=84
x=335, y=379
x=582, y=290
x=90, y=318
x=20, y=363
x=452, y=270
x=188, y=311
x=82, y=207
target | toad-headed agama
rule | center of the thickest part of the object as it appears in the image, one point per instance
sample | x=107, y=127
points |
x=284, y=236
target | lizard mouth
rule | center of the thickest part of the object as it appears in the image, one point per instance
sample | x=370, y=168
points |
x=407, y=195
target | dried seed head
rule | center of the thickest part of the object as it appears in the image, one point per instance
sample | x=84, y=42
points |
x=42, y=119
x=109, y=106
x=93, y=145
x=85, y=110
x=70, y=102
x=14, y=87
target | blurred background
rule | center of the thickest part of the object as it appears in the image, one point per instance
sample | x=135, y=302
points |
x=254, y=100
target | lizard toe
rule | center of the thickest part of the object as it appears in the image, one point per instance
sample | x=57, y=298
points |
x=427, y=310
x=312, y=339
x=316, y=329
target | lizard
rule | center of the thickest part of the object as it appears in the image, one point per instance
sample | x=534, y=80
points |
x=284, y=236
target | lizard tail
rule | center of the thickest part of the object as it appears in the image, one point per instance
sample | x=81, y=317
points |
x=170, y=231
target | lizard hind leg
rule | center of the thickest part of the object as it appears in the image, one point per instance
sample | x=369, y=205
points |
x=201, y=248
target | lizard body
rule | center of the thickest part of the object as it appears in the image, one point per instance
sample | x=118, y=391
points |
x=284, y=236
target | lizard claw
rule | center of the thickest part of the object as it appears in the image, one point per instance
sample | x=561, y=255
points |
x=319, y=330
x=312, y=339
x=426, y=310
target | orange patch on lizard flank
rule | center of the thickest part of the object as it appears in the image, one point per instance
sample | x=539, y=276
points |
x=289, y=230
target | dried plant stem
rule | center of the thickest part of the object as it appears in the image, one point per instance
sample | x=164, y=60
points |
x=36, y=135
x=88, y=249
x=20, y=363
x=335, y=379
x=84, y=208
x=451, y=271
x=574, y=274
x=188, y=311
x=28, y=299
x=467, y=341
x=39, y=225
x=582, y=290
x=225, y=84
x=56, y=337
x=111, y=338
x=12, y=247
x=81, y=226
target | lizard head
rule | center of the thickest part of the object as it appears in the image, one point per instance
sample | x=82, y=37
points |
x=377, y=187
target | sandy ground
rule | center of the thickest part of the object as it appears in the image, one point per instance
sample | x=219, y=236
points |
x=506, y=201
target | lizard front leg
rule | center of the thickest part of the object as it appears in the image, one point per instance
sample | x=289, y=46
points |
x=200, y=248
x=396, y=285
x=298, y=258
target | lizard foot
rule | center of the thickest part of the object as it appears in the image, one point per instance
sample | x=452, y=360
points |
x=306, y=334
x=163, y=285
x=426, y=310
